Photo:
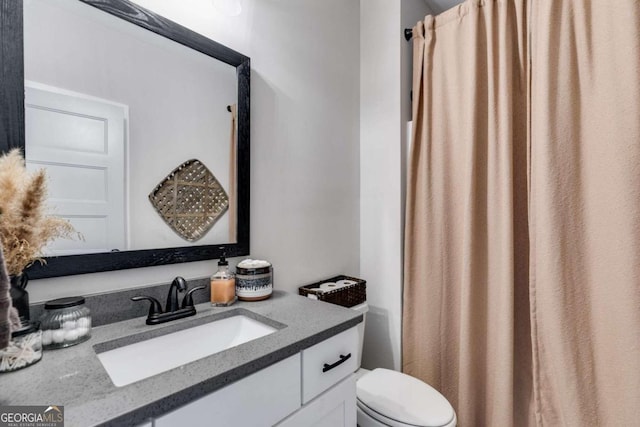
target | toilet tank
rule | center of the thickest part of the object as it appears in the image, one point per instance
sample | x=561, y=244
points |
x=361, y=308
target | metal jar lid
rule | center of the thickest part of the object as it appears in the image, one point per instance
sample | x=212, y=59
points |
x=63, y=303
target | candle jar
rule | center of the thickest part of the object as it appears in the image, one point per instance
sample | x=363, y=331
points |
x=65, y=322
x=254, y=280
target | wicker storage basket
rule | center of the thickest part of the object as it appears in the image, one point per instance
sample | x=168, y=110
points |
x=347, y=296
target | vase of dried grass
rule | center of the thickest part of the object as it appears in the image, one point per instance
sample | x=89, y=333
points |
x=19, y=295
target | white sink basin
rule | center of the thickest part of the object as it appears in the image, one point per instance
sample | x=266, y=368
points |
x=144, y=359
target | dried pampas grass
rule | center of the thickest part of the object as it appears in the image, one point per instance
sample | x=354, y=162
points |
x=25, y=227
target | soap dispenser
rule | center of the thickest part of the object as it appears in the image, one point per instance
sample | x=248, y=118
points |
x=223, y=285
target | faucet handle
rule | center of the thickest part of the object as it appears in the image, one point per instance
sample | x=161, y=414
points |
x=187, y=301
x=154, y=309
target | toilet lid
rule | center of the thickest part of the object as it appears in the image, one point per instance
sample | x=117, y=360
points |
x=404, y=399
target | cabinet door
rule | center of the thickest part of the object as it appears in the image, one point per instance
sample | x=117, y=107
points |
x=261, y=399
x=334, y=408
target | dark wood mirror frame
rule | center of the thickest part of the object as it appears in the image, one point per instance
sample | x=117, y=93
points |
x=12, y=135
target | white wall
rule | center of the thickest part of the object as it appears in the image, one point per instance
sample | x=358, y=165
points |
x=380, y=184
x=385, y=81
x=304, y=141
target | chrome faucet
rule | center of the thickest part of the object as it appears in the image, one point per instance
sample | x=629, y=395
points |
x=173, y=310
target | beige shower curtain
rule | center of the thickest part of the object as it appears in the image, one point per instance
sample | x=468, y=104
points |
x=585, y=211
x=522, y=244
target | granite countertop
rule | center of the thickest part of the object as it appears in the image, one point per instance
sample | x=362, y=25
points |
x=75, y=378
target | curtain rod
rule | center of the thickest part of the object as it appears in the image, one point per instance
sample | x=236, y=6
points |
x=408, y=34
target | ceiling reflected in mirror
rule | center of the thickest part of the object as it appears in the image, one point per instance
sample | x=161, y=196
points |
x=228, y=7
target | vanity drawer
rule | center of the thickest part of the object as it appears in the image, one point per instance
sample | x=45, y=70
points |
x=328, y=362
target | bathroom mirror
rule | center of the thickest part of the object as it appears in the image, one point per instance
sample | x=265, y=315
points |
x=111, y=100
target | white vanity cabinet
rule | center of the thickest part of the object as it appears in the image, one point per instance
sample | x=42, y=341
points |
x=315, y=387
x=328, y=383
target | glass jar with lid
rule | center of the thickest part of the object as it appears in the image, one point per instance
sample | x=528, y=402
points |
x=65, y=322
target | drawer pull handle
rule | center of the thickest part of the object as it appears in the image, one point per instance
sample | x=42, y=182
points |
x=343, y=359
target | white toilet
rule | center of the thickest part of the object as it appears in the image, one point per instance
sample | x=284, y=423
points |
x=391, y=398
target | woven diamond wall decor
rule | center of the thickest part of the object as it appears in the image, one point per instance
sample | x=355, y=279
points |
x=190, y=200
